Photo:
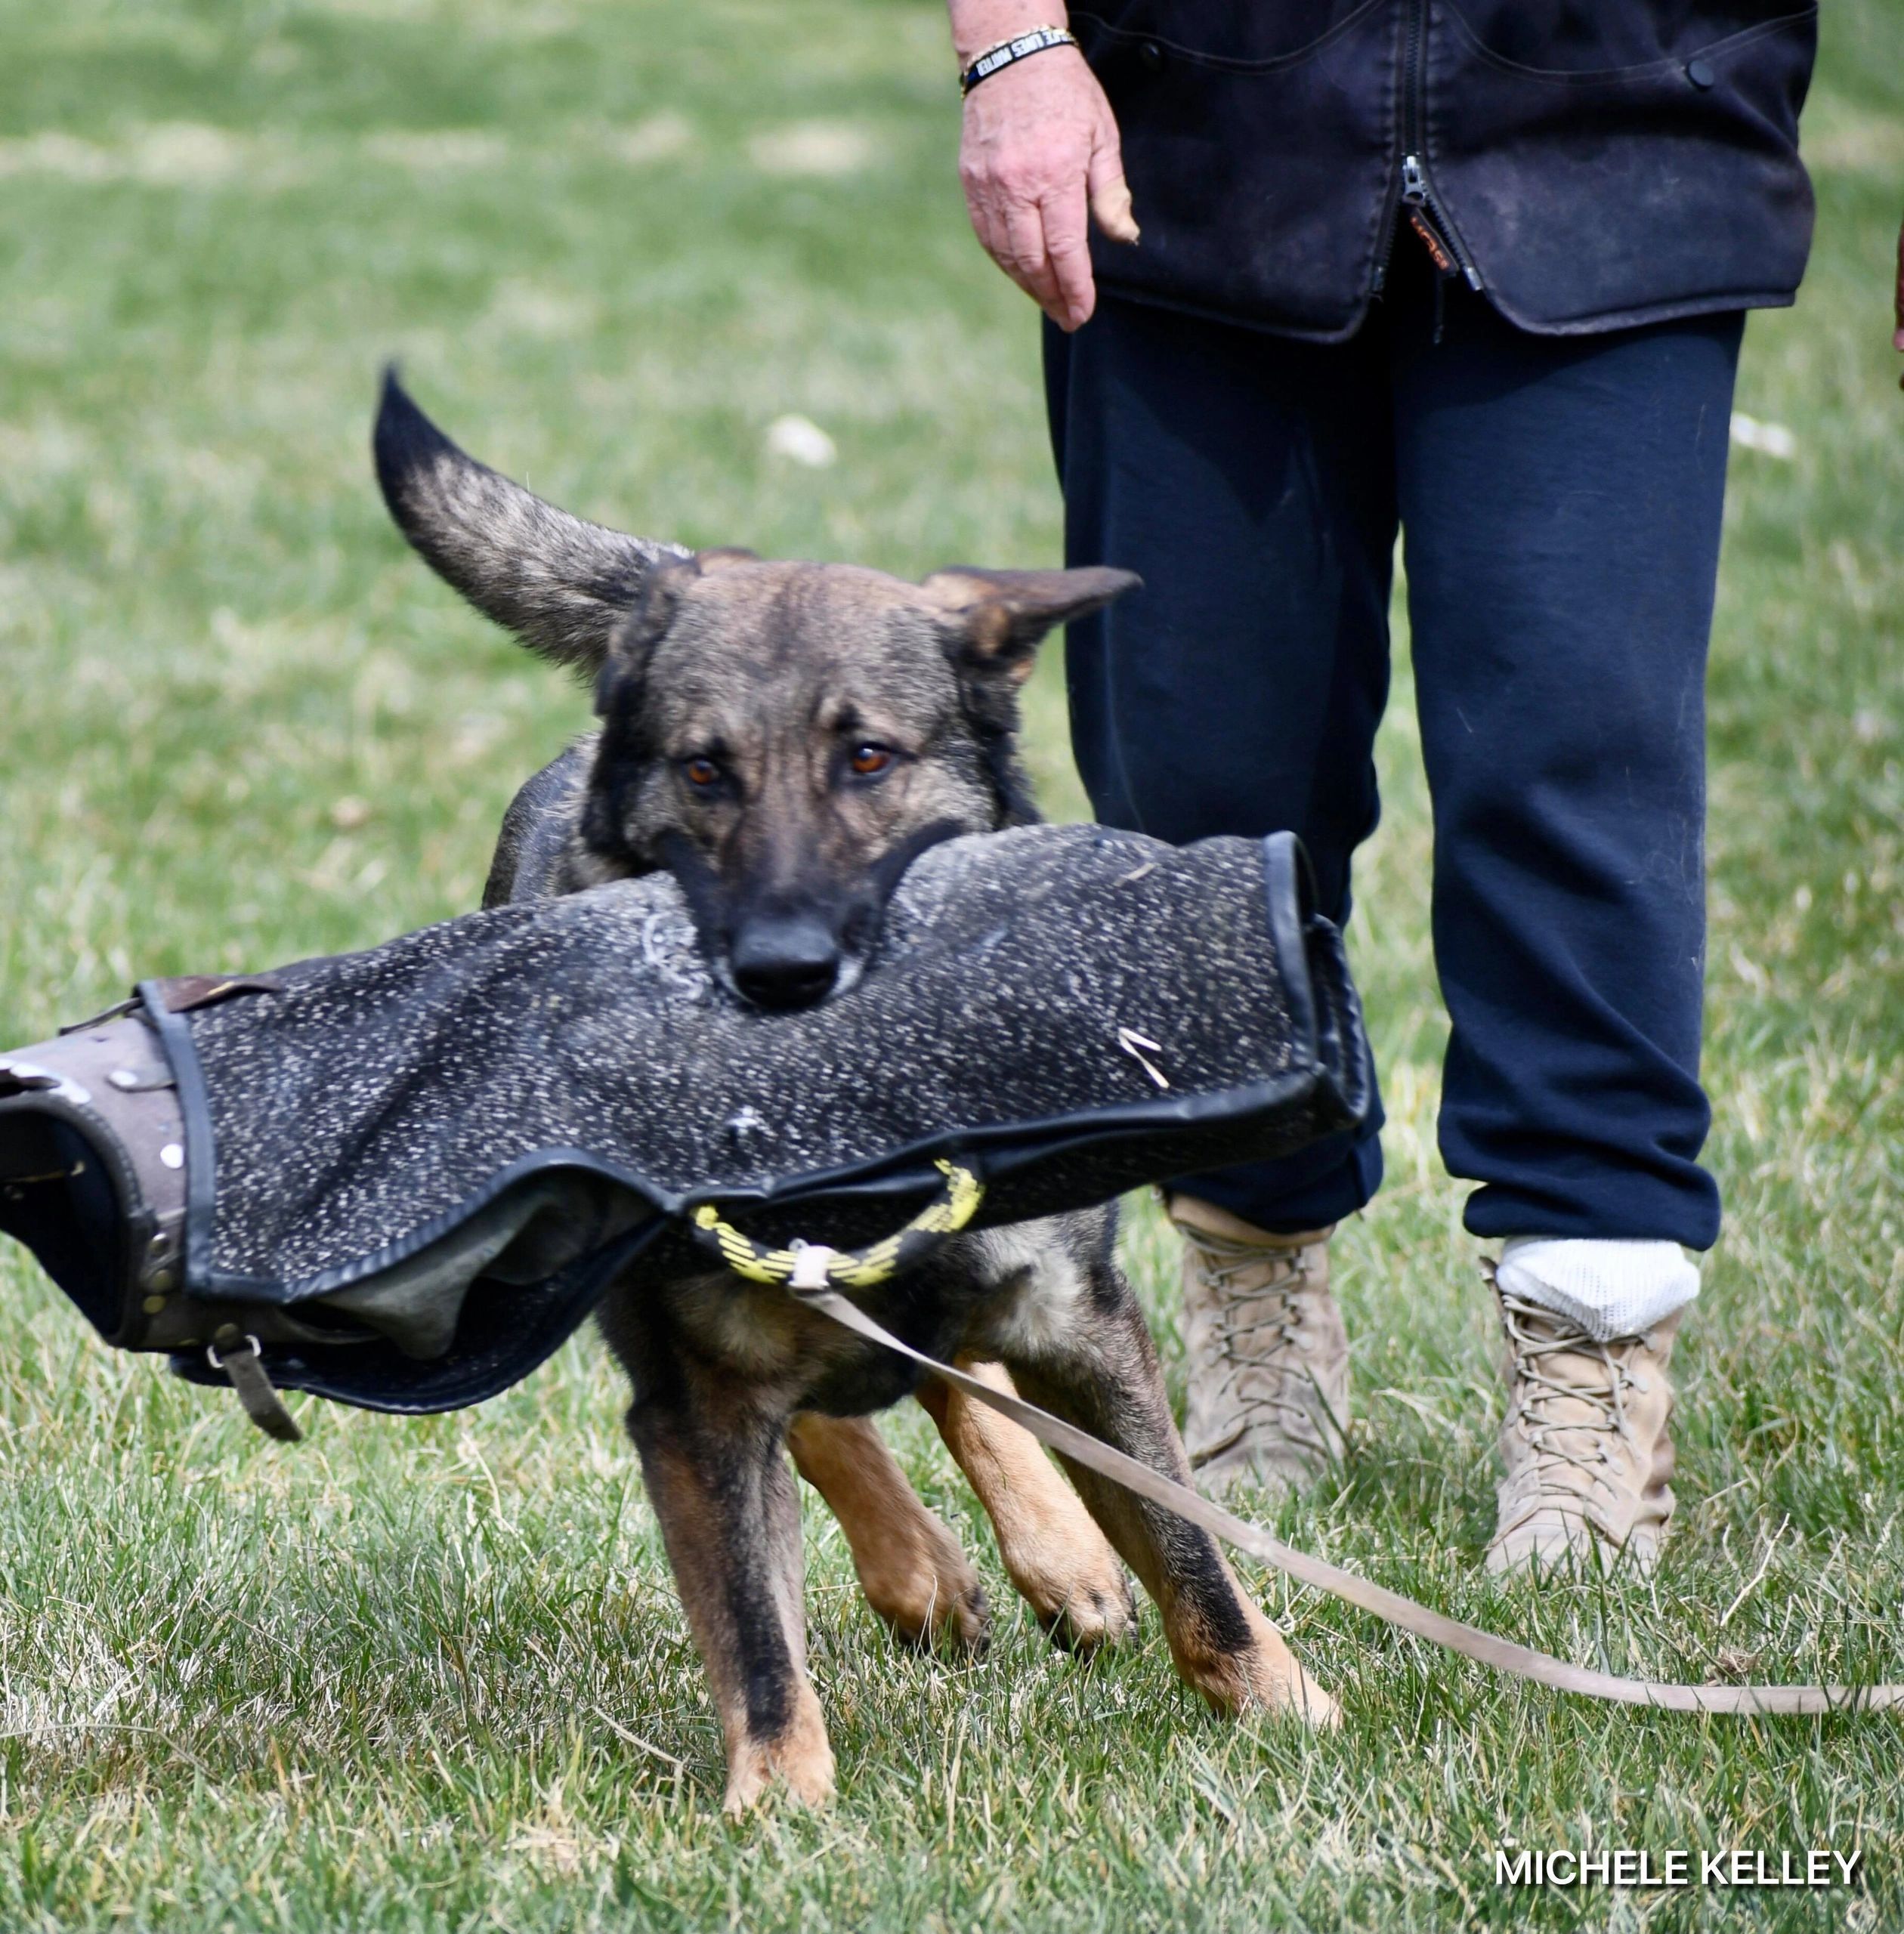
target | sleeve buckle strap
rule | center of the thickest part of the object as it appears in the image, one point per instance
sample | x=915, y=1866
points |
x=1021, y=47
x=243, y=1363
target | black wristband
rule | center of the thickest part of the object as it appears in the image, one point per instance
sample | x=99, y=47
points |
x=1020, y=47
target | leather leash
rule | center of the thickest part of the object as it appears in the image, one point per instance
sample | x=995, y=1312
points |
x=810, y=1271
x=809, y=1284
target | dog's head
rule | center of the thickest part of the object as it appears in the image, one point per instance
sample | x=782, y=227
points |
x=785, y=737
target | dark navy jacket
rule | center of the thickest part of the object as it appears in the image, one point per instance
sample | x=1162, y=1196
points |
x=1589, y=163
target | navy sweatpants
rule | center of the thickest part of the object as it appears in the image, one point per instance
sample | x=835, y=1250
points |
x=1560, y=502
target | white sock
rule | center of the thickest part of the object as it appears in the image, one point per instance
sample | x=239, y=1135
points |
x=1611, y=1287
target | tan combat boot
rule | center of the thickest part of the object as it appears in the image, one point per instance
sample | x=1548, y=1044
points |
x=1587, y=1452
x=1269, y=1355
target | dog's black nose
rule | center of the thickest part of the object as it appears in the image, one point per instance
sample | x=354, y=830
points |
x=788, y=962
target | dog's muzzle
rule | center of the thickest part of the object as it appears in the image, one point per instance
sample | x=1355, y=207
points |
x=785, y=962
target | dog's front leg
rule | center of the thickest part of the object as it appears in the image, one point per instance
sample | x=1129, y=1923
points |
x=1099, y=1371
x=910, y=1566
x=731, y=1517
x=1053, y=1552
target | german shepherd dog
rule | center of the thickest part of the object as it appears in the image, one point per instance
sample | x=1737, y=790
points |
x=785, y=738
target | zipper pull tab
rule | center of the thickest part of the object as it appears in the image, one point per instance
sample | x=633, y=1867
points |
x=1414, y=181
x=1438, y=251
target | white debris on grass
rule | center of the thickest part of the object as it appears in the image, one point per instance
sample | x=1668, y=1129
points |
x=1768, y=438
x=801, y=440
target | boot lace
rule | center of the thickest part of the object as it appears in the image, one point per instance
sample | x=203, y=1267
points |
x=1578, y=1443
x=1258, y=1326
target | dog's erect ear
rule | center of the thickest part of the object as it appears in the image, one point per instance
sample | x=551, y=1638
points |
x=560, y=584
x=624, y=667
x=656, y=603
x=1002, y=615
x=993, y=621
x=654, y=607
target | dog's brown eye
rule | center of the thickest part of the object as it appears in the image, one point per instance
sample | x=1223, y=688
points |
x=869, y=761
x=702, y=772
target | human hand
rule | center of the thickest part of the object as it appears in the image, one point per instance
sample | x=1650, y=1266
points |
x=1039, y=160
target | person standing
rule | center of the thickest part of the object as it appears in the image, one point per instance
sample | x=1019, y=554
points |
x=1478, y=273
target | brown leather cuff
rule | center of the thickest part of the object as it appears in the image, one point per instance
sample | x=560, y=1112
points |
x=91, y=1123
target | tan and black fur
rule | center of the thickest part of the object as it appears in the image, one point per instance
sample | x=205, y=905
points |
x=784, y=737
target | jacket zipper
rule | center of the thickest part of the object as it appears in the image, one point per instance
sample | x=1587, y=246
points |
x=1429, y=217
x=1418, y=193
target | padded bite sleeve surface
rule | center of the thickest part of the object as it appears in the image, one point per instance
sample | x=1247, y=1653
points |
x=1083, y=1010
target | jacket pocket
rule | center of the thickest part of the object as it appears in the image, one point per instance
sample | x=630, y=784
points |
x=1260, y=176
x=1254, y=38
x=1601, y=195
x=1604, y=45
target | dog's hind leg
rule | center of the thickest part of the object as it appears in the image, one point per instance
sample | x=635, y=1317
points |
x=910, y=1568
x=1054, y=1554
x=1099, y=1371
x=729, y=1516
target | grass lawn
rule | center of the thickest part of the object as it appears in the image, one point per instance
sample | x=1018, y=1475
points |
x=431, y=1675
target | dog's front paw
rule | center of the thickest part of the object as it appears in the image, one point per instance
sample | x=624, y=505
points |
x=911, y=1567
x=1066, y=1571
x=799, y=1758
x=1099, y=1610
x=923, y=1587
x=1263, y=1675
x=1288, y=1690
